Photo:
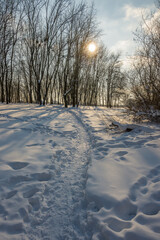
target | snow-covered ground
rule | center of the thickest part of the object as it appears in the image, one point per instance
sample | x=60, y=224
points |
x=70, y=174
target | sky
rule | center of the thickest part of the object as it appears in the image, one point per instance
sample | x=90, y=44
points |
x=118, y=19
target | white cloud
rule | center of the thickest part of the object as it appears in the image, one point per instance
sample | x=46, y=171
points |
x=133, y=16
x=127, y=49
x=124, y=46
x=132, y=12
x=119, y=21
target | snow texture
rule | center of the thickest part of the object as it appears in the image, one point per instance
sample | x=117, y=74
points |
x=78, y=174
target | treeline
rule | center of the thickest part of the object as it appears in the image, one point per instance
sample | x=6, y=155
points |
x=145, y=72
x=44, y=56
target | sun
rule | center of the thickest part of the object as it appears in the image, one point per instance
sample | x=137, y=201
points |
x=92, y=47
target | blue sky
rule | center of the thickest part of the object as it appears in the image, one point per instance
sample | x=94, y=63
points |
x=119, y=19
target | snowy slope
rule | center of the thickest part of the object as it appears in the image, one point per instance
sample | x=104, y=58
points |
x=72, y=174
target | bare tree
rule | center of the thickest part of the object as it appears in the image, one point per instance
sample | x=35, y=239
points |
x=43, y=55
x=10, y=16
x=145, y=77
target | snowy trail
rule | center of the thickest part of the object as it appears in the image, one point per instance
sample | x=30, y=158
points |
x=64, y=214
x=43, y=174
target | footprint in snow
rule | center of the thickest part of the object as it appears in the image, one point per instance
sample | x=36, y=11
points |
x=10, y=194
x=19, y=179
x=151, y=208
x=136, y=209
x=121, y=153
x=138, y=187
x=103, y=149
x=3, y=211
x=125, y=209
x=35, y=203
x=41, y=176
x=52, y=143
x=18, y=165
x=30, y=192
x=118, y=225
x=12, y=228
x=123, y=159
x=148, y=185
x=24, y=214
x=156, y=196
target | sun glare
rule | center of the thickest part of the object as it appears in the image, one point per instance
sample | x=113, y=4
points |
x=92, y=47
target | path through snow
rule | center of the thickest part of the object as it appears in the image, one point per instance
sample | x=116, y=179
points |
x=64, y=214
x=45, y=155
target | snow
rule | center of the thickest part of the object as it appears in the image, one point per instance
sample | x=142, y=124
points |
x=124, y=178
x=78, y=174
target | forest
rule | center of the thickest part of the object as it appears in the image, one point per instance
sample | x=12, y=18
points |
x=44, y=57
